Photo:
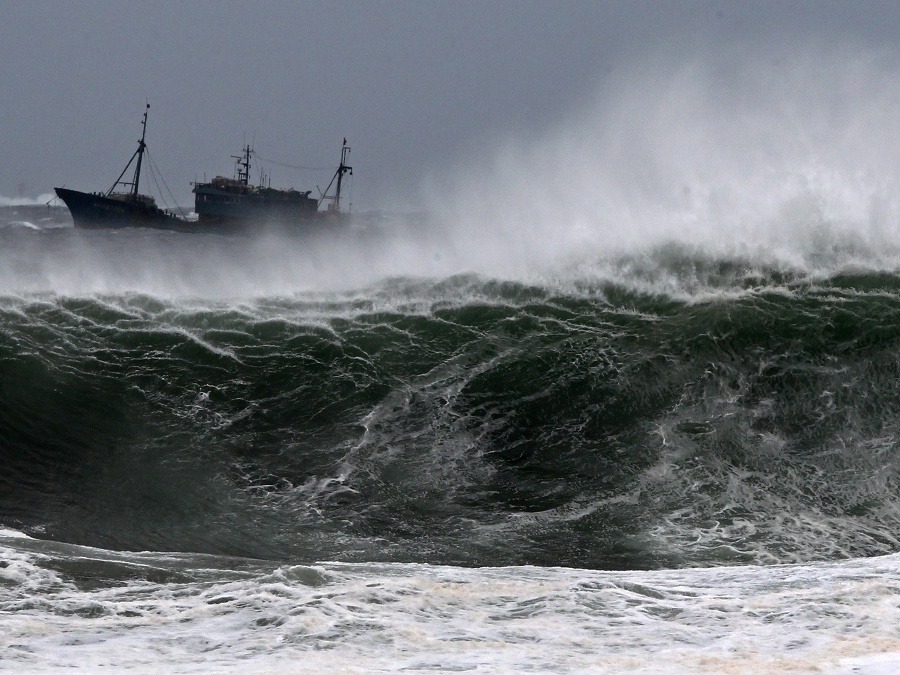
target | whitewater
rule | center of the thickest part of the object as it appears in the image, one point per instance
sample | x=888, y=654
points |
x=620, y=398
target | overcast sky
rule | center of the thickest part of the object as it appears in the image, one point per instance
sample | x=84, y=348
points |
x=414, y=86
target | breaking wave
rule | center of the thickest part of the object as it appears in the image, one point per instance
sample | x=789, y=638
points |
x=466, y=421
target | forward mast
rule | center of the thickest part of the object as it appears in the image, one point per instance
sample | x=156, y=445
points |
x=139, y=155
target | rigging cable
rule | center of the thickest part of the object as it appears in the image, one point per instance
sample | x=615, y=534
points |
x=153, y=173
x=158, y=189
x=291, y=166
x=350, y=193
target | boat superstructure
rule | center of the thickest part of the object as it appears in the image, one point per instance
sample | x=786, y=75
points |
x=236, y=202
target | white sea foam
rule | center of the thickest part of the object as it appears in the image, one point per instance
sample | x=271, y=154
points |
x=10, y=533
x=246, y=616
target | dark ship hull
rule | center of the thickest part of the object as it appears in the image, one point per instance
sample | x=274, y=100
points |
x=97, y=211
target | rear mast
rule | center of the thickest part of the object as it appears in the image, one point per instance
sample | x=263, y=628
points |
x=343, y=168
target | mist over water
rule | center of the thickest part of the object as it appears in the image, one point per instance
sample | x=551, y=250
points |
x=786, y=160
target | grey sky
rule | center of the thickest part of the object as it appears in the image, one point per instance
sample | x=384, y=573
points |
x=414, y=86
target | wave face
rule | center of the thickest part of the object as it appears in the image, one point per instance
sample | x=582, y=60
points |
x=600, y=424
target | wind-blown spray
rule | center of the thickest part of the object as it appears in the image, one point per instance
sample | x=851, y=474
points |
x=785, y=156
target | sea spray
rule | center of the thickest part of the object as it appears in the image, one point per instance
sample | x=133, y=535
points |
x=779, y=156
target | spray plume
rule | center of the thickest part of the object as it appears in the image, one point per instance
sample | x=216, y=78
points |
x=777, y=155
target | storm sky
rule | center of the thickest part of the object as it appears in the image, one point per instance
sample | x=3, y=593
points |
x=415, y=87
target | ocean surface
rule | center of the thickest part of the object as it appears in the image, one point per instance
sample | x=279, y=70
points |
x=371, y=451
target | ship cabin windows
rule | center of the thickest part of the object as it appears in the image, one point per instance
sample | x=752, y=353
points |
x=216, y=199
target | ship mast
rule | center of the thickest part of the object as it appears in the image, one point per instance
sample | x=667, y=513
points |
x=139, y=154
x=243, y=165
x=335, y=205
x=341, y=170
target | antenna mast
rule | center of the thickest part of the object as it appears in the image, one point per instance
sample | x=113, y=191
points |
x=243, y=165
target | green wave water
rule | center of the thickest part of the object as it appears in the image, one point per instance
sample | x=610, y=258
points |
x=464, y=421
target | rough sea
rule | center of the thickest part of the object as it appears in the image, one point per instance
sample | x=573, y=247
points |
x=364, y=451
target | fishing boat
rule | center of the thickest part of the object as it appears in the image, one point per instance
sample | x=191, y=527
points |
x=235, y=203
x=221, y=205
x=122, y=205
